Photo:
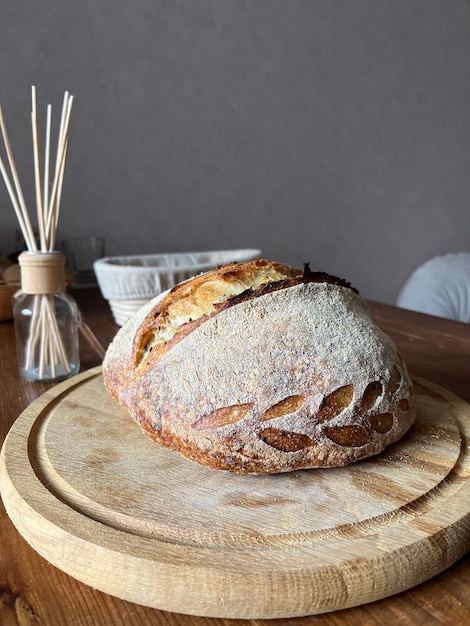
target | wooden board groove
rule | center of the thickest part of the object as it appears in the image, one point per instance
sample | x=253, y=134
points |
x=95, y=497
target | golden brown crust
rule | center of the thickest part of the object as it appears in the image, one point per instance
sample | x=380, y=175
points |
x=284, y=375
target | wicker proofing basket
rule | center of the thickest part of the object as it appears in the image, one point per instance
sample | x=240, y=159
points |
x=7, y=292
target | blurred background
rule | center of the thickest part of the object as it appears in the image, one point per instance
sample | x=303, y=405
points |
x=330, y=131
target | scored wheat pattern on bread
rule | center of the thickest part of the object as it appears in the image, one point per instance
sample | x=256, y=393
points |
x=331, y=407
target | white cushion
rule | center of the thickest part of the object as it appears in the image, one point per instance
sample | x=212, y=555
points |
x=441, y=287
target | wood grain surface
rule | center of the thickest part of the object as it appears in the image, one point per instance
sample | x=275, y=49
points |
x=95, y=497
x=34, y=592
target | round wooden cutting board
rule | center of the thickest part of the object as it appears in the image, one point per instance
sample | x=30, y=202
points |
x=98, y=499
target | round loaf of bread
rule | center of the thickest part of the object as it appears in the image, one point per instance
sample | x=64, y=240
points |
x=261, y=368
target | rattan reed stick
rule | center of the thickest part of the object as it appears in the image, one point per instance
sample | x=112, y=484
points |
x=47, y=156
x=37, y=171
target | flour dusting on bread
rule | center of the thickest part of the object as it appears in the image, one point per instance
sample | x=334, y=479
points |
x=261, y=368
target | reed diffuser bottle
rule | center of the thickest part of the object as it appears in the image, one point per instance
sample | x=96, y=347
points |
x=46, y=320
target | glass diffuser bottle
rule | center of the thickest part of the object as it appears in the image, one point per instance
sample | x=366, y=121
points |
x=46, y=320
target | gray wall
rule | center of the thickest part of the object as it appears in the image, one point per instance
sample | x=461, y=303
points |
x=334, y=131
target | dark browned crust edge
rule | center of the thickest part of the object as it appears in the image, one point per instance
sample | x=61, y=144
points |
x=306, y=277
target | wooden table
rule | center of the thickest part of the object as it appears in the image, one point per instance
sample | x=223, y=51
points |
x=33, y=592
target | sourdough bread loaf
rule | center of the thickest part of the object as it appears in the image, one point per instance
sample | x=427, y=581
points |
x=261, y=368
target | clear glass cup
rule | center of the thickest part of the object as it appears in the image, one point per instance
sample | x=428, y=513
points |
x=80, y=254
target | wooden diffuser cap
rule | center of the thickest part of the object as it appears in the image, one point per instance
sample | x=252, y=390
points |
x=42, y=272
